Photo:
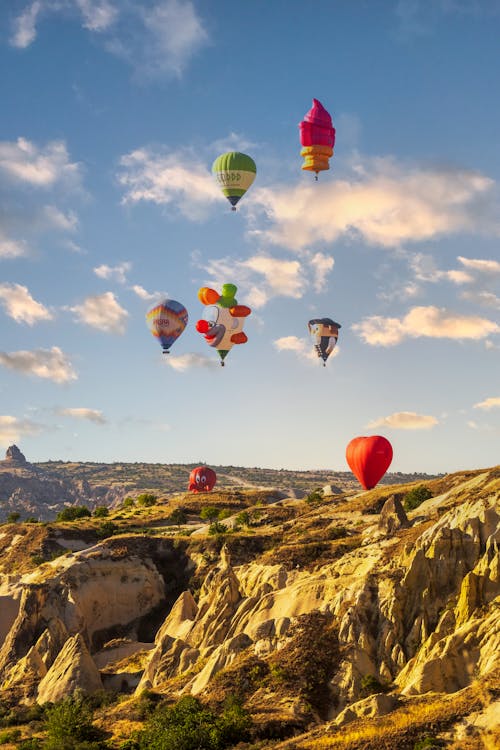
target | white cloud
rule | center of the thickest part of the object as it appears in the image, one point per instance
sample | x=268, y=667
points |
x=12, y=429
x=188, y=361
x=481, y=265
x=264, y=276
x=385, y=203
x=102, y=311
x=430, y=322
x=302, y=348
x=98, y=15
x=52, y=364
x=175, y=35
x=483, y=298
x=54, y=218
x=117, y=273
x=93, y=415
x=26, y=163
x=20, y=305
x=175, y=179
x=405, y=420
x=11, y=248
x=144, y=294
x=322, y=265
x=24, y=26
x=489, y=403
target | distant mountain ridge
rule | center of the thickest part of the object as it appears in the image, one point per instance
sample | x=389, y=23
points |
x=41, y=490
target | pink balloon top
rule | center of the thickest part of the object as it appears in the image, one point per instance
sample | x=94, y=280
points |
x=316, y=129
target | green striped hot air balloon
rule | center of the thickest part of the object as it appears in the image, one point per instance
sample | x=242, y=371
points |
x=234, y=172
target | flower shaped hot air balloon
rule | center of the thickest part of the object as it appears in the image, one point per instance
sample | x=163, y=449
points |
x=222, y=324
x=202, y=479
x=234, y=172
x=317, y=136
x=166, y=321
x=369, y=458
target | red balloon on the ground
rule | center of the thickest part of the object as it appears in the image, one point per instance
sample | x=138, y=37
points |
x=369, y=458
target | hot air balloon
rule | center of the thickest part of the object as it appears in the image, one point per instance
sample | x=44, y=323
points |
x=369, y=458
x=234, y=172
x=223, y=319
x=324, y=333
x=317, y=136
x=202, y=479
x=166, y=321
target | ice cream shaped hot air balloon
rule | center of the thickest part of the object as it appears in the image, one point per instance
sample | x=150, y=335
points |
x=234, y=172
x=223, y=319
x=317, y=136
x=166, y=321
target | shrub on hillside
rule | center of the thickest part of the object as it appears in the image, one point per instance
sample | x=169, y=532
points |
x=128, y=502
x=189, y=725
x=101, y=511
x=178, y=517
x=146, y=499
x=73, y=513
x=217, y=528
x=209, y=513
x=415, y=497
x=69, y=726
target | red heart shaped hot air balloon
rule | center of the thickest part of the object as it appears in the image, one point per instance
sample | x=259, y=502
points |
x=369, y=458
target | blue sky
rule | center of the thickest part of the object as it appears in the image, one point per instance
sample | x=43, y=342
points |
x=112, y=114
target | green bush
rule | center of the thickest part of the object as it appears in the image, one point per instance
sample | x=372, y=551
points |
x=177, y=517
x=9, y=736
x=101, y=511
x=428, y=743
x=73, y=513
x=13, y=517
x=316, y=496
x=190, y=726
x=416, y=496
x=128, y=502
x=69, y=726
x=243, y=518
x=209, y=513
x=106, y=529
x=217, y=528
x=146, y=499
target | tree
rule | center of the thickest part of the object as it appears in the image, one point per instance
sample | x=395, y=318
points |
x=101, y=511
x=128, y=502
x=73, y=513
x=13, y=517
x=209, y=513
x=69, y=723
x=146, y=499
x=416, y=497
x=178, y=516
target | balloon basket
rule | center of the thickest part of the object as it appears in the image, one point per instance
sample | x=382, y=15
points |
x=233, y=208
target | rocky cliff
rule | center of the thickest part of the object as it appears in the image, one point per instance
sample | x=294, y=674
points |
x=318, y=615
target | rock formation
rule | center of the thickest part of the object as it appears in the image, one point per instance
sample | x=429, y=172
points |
x=408, y=606
x=14, y=456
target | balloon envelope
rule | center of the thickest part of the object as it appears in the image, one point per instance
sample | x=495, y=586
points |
x=317, y=137
x=166, y=321
x=234, y=172
x=324, y=333
x=369, y=458
x=202, y=479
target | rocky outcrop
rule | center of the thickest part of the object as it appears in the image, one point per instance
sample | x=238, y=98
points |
x=14, y=456
x=73, y=670
x=392, y=516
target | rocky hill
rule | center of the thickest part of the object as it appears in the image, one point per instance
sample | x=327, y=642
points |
x=354, y=620
x=42, y=490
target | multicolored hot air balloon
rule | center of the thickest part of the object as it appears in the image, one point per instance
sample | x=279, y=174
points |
x=223, y=319
x=324, y=333
x=166, y=321
x=234, y=172
x=369, y=458
x=317, y=136
x=202, y=479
